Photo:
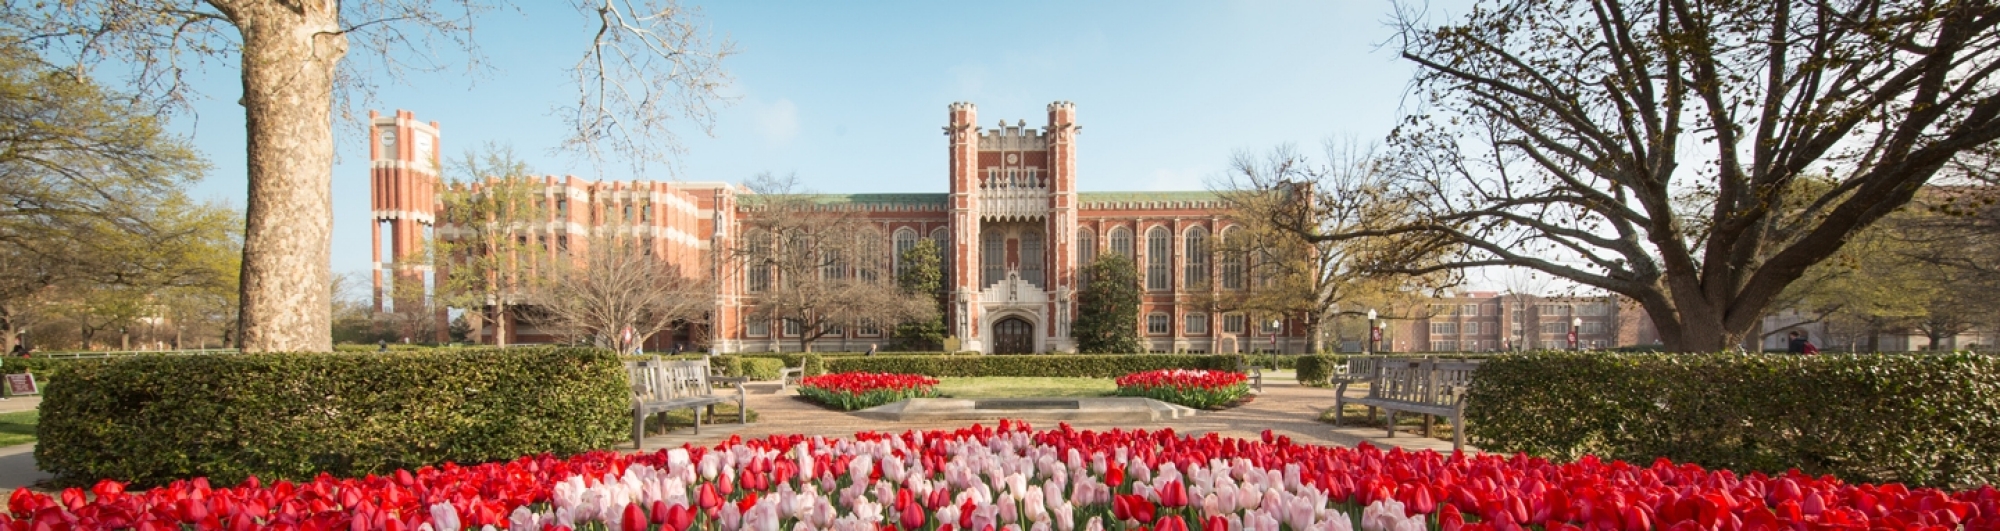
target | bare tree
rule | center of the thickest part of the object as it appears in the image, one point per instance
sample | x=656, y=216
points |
x=818, y=264
x=1282, y=202
x=486, y=249
x=618, y=287
x=1647, y=148
x=647, y=67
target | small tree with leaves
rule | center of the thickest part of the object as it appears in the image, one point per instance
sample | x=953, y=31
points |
x=1108, y=308
x=922, y=278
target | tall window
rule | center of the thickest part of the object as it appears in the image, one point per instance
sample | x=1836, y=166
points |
x=832, y=266
x=1031, y=257
x=1232, y=264
x=942, y=239
x=1444, y=328
x=1197, y=324
x=793, y=327
x=906, y=239
x=1086, y=251
x=1232, y=323
x=1121, y=242
x=1159, y=324
x=758, y=327
x=760, y=273
x=1196, y=258
x=1159, y=259
x=868, y=260
x=992, y=253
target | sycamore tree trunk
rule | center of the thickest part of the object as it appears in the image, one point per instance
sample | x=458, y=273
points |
x=289, y=57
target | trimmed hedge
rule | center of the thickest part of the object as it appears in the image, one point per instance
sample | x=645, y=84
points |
x=153, y=419
x=1033, y=365
x=1317, y=370
x=1914, y=418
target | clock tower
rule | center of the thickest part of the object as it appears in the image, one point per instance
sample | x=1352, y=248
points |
x=403, y=155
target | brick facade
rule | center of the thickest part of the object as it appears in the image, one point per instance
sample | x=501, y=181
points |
x=1013, y=225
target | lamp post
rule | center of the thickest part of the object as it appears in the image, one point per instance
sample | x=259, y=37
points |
x=1275, y=330
x=1574, y=324
x=1374, y=334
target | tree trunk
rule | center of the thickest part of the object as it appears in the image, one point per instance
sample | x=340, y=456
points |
x=1313, y=323
x=289, y=57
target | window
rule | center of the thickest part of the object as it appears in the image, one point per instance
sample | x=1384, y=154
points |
x=793, y=327
x=1472, y=329
x=1159, y=256
x=1555, y=328
x=1121, y=242
x=992, y=177
x=562, y=207
x=1232, y=323
x=832, y=266
x=1232, y=264
x=868, y=263
x=992, y=254
x=942, y=239
x=1592, y=327
x=759, y=276
x=562, y=243
x=1270, y=327
x=1440, y=310
x=1032, y=181
x=1592, y=309
x=1444, y=345
x=1086, y=252
x=906, y=239
x=758, y=327
x=1196, y=258
x=830, y=329
x=1552, y=309
x=1197, y=324
x=869, y=328
x=645, y=212
x=1489, y=309
x=1469, y=309
x=627, y=213
x=1158, y=324
x=1443, y=329
x=1031, y=257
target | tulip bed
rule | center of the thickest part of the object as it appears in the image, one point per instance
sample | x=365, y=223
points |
x=1013, y=478
x=849, y=391
x=1199, y=389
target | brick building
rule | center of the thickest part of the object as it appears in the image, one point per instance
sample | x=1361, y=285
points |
x=1013, y=226
x=1481, y=321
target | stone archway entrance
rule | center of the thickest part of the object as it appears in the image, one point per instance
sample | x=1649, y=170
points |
x=1013, y=335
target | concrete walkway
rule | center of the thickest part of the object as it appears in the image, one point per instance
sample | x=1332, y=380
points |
x=1285, y=408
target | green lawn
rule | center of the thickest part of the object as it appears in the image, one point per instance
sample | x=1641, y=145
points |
x=1021, y=387
x=18, y=427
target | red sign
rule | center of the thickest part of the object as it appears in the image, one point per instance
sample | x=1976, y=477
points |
x=22, y=384
x=1375, y=334
x=1572, y=338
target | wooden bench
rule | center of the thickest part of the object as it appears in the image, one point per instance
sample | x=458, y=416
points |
x=790, y=376
x=659, y=386
x=1434, y=388
x=1254, y=372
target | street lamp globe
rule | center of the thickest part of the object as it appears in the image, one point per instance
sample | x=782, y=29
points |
x=1371, y=314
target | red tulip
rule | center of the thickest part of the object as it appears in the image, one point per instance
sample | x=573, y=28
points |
x=1215, y=523
x=1173, y=494
x=913, y=517
x=1171, y=523
x=1449, y=519
x=633, y=519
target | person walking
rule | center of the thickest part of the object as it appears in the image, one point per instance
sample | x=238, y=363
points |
x=1795, y=342
x=871, y=349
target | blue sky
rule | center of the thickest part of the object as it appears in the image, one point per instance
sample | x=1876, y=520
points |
x=852, y=96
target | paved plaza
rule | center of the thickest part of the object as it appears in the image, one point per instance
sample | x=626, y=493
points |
x=1284, y=407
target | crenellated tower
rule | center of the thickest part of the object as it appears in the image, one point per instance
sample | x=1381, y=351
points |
x=963, y=138
x=403, y=155
x=1061, y=140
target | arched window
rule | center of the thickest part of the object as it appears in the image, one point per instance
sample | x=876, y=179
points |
x=1232, y=259
x=942, y=239
x=868, y=256
x=759, y=277
x=1121, y=242
x=992, y=254
x=1086, y=252
x=1031, y=257
x=1196, y=258
x=1159, y=256
x=906, y=238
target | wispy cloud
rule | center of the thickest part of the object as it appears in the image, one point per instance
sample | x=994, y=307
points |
x=778, y=121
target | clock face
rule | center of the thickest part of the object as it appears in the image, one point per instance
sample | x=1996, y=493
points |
x=1013, y=158
x=388, y=138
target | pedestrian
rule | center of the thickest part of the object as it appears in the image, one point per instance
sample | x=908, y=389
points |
x=382, y=346
x=1809, y=349
x=871, y=349
x=1795, y=342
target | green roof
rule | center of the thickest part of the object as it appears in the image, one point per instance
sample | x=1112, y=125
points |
x=865, y=199
x=1140, y=197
